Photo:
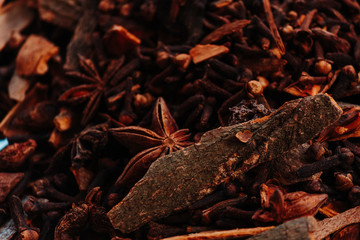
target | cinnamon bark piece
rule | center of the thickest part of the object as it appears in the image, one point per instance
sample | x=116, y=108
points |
x=175, y=181
x=300, y=228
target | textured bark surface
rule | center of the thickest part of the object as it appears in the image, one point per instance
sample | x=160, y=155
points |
x=176, y=180
x=300, y=229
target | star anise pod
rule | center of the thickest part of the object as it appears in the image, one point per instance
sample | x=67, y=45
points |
x=149, y=145
x=93, y=89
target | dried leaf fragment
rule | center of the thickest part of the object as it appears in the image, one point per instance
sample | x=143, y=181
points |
x=201, y=52
x=14, y=17
x=7, y=182
x=244, y=136
x=33, y=56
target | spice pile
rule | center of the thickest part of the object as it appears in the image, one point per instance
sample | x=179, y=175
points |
x=228, y=99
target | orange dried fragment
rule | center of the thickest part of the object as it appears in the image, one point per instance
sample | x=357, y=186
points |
x=33, y=56
x=119, y=40
x=244, y=136
x=201, y=53
x=7, y=182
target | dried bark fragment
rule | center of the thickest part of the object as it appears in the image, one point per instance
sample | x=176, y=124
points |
x=201, y=53
x=330, y=225
x=285, y=165
x=7, y=182
x=224, y=30
x=63, y=13
x=301, y=228
x=225, y=234
x=179, y=179
x=14, y=17
x=33, y=56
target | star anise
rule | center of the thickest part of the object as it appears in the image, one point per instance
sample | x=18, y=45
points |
x=94, y=87
x=150, y=145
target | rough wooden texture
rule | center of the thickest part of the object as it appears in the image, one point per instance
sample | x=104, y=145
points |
x=331, y=225
x=176, y=180
x=297, y=229
x=225, y=234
